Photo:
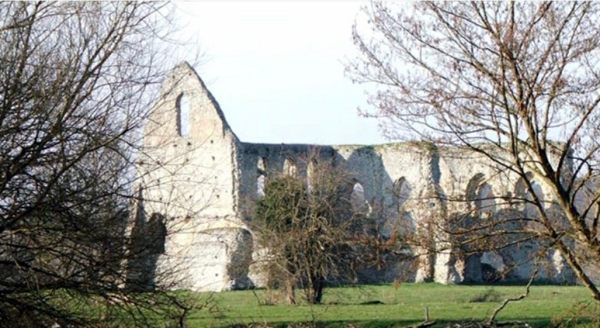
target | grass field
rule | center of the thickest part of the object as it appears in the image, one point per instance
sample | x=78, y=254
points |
x=389, y=306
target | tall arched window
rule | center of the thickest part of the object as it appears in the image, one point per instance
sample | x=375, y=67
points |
x=357, y=198
x=401, y=191
x=261, y=165
x=473, y=187
x=261, y=170
x=525, y=198
x=485, y=202
x=480, y=196
x=183, y=115
x=531, y=209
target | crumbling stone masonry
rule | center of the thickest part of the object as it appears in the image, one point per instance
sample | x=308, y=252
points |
x=199, y=178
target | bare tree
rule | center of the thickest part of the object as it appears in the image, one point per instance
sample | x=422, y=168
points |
x=515, y=83
x=74, y=88
x=311, y=232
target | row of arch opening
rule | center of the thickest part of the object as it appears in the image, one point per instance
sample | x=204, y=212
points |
x=479, y=193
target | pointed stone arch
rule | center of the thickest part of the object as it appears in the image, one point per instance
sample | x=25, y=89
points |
x=480, y=196
x=401, y=191
x=486, y=201
x=521, y=188
x=525, y=198
x=473, y=186
x=261, y=165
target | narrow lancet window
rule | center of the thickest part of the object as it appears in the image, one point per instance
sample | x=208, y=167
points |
x=183, y=116
x=261, y=168
x=401, y=191
x=357, y=199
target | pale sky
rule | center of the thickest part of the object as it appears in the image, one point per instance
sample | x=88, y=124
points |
x=277, y=68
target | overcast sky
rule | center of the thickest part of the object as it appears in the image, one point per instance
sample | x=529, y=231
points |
x=277, y=68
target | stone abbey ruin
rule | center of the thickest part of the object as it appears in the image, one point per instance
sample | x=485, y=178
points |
x=197, y=178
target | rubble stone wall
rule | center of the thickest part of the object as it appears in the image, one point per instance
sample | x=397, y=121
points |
x=203, y=181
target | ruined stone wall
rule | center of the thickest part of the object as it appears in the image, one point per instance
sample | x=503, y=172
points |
x=206, y=181
x=191, y=178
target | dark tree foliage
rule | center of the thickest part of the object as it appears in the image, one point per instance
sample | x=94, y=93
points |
x=74, y=79
x=310, y=231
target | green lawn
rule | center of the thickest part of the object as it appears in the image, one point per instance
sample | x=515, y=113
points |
x=387, y=306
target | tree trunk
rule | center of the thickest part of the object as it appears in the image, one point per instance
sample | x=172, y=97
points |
x=574, y=264
x=290, y=291
x=317, y=290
